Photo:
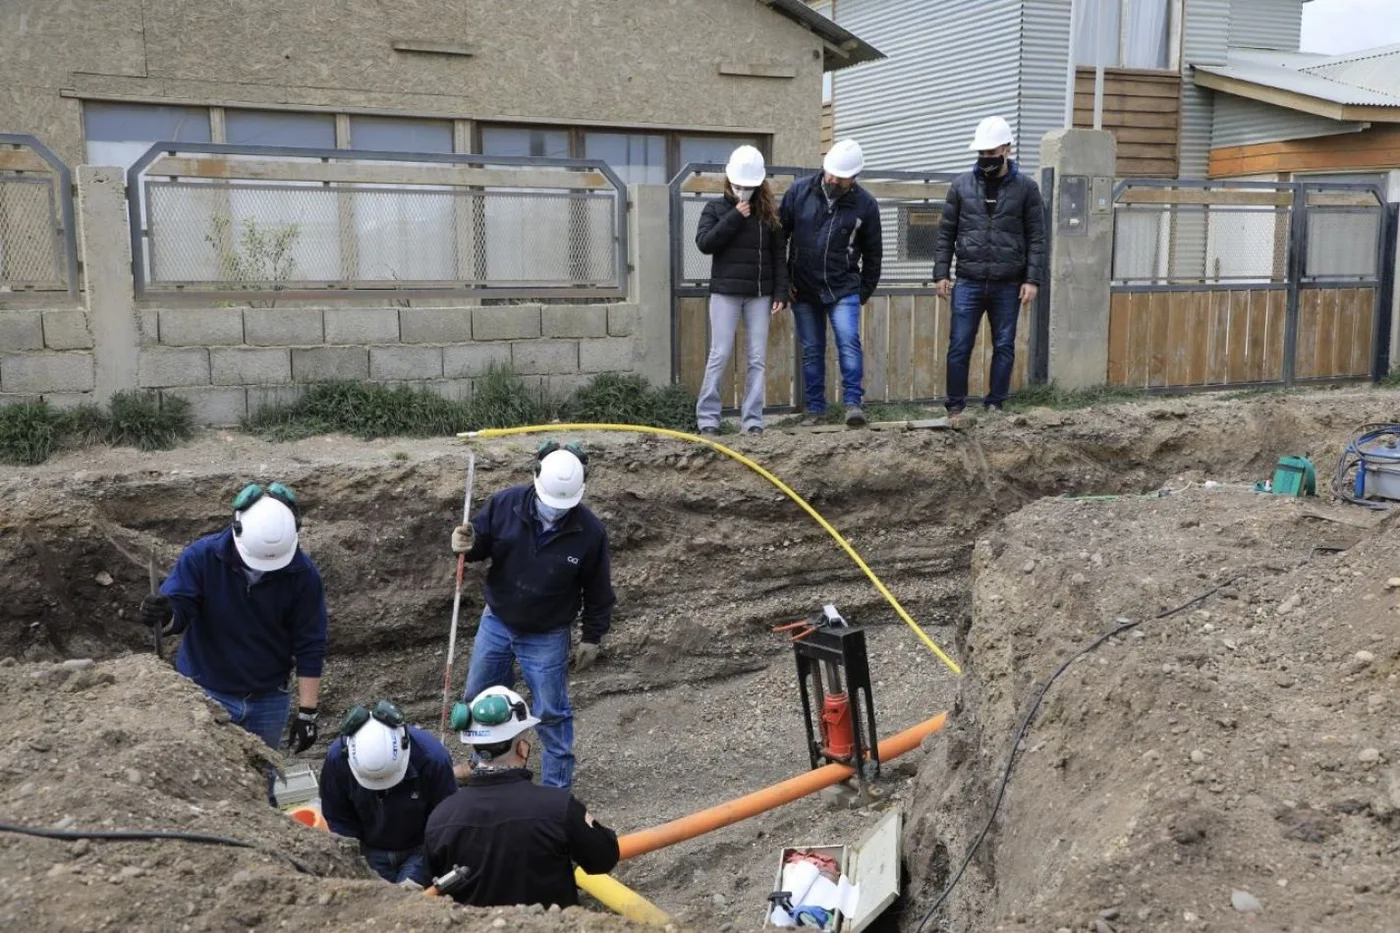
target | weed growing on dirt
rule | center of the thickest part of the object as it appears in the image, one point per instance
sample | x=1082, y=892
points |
x=1390, y=380
x=613, y=398
x=31, y=432
x=1049, y=395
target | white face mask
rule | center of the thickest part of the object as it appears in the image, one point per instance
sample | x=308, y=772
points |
x=743, y=194
x=548, y=513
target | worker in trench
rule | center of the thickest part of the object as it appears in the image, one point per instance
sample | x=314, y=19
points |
x=252, y=610
x=510, y=840
x=381, y=780
x=550, y=564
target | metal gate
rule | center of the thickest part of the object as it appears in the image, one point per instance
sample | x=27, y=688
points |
x=1221, y=283
x=904, y=327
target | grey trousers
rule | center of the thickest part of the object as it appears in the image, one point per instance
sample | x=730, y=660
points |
x=724, y=323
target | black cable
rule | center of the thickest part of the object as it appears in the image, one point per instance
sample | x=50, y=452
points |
x=147, y=835
x=1019, y=735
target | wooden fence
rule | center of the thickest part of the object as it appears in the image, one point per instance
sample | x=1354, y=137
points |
x=905, y=342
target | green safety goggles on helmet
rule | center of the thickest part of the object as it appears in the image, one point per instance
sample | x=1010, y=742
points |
x=255, y=491
x=488, y=711
x=382, y=710
x=548, y=447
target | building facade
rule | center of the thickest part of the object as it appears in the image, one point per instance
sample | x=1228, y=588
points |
x=647, y=86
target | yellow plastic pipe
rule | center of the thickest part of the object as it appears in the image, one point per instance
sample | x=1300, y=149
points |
x=769, y=798
x=735, y=455
x=621, y=899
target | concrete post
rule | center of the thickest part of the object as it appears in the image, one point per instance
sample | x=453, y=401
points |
x=649, y=284
x=106, y=253
x=1081, y=254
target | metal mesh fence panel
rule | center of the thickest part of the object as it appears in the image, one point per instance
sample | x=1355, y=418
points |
x=1343, y=244
x=31, y=243
x=1200, y=244
x=290, y=235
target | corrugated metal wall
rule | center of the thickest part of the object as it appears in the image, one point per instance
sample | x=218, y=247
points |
x=1044, y=62
x=1266, y=24
x=1204, y=41
x=1241, y=122
x=950, y=64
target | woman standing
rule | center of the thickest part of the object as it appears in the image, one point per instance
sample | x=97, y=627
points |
x=748, y=277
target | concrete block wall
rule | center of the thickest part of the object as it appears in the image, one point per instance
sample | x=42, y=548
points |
x=230, y=362
x=46, y=354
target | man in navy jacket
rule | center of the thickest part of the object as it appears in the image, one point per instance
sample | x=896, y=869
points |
x=835, y=253
x=550, y=564
x=381, y=780
x=252, y=610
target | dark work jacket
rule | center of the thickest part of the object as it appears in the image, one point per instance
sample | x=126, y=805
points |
x=392, y=820
x=245, y=638
x=835, y=249
x=1006, y=244
x=519, y=841
x=750, y=257
x=538, y=584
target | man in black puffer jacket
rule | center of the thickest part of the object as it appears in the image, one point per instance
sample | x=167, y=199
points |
x=994, y=221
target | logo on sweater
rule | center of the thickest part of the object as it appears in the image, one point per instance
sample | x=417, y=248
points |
x=572, y=559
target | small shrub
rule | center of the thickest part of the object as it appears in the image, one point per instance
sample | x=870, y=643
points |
x=614, y=398
x=501, y=399
x=29, y=432
x=147, y=422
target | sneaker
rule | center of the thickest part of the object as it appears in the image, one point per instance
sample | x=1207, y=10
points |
x=812, y=420
x=709, y=432
x=855, y=418
x=955, y=412
x=753, y=432
x=992, y=409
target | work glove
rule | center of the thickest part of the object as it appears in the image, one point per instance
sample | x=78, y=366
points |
x=304, y=729
x=585, y=655
x=155, y=610
x=463, y=536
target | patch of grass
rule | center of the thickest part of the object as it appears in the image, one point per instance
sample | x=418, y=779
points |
x=144, y=420
x=614, y=398
x=363, y=409
x=31, y=432
x=398, y=455
x=1049, y=395
x=501, y=399
x=1389, y=381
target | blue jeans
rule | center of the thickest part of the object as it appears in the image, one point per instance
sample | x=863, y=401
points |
x=264, y=716
x=397, y=867
x=1002, y=303
x=811, y=320
x=544, y=663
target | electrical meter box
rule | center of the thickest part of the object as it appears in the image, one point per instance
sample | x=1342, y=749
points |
x=1072, y=209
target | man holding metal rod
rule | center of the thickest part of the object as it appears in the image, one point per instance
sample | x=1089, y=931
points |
x=550, y=564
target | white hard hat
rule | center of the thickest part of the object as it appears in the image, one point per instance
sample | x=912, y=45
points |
x=992, y=133
x=265, y=534
x=746, y=168
x=559, y=480
x=497, y=714
x=844, y=160
x=378, y=755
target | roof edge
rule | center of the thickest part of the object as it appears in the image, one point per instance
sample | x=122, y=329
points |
x=843, y=47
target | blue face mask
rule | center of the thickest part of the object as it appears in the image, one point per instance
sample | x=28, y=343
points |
x=548, y=514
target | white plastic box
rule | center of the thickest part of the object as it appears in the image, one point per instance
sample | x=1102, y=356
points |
x=298, y=787
x=873, y=865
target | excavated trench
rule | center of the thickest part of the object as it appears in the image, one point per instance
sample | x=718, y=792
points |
x=694, y=701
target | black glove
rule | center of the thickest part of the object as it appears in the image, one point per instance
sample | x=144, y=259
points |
x=304, y=729
x=155, y=610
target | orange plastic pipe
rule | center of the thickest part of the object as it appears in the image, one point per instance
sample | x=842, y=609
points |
x=769, y=798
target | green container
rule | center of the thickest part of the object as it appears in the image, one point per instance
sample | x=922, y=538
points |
x=1294, y=476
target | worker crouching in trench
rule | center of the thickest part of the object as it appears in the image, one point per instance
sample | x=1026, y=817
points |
x=504, y=839
x=381, y=780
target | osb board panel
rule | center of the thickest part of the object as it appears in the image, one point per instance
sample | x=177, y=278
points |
x=1190, y=338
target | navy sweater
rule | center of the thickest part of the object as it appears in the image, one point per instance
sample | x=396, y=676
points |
x=539, y=583
x=241, y=638
x=393, y=819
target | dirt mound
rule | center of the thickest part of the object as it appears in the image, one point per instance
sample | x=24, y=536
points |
x=1247, y=744
x=129, y=744
x=694, y=701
